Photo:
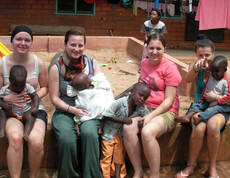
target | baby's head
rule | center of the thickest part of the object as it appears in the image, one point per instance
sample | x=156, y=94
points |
x=81, y=81
x=17, y=78
x=139, y=93
x=218, y=67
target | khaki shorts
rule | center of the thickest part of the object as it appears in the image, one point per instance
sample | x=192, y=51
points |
x=169, y=119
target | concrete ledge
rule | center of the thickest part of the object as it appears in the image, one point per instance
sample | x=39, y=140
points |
x=174, y=146
x=174, y=149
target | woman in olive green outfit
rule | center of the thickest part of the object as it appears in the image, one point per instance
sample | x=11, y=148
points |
x=70, y=63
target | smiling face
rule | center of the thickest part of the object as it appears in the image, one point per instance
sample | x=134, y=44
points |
x=205, y=53
x=21, y=42
x=75, y=46
x=155, y=51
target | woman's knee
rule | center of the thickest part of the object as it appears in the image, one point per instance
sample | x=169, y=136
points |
x=36, y=144
x=89, y=134
x=130, y=130
x=15, y=141
x=126, y=131
x=214, y=127
x=147, y=134
x=199, y=130
x=66, y=138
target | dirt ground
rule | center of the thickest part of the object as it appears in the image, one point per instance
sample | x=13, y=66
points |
x=122, y=74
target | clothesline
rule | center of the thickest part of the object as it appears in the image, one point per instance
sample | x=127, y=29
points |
x=213, y=14
x=170, y=8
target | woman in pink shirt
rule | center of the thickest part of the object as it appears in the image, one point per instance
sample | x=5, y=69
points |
x=163, y=77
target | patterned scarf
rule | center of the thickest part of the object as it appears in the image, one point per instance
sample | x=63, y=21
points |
x=70, y=69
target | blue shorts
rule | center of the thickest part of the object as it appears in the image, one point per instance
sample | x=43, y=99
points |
x=42, y=115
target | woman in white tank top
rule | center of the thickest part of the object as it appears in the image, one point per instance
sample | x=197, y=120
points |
x=21, y=40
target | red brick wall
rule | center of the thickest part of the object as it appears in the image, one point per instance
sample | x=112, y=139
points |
x=108, y=16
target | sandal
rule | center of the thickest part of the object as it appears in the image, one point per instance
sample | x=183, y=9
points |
x=183, y=175
x=187, y=175
x=208, y=175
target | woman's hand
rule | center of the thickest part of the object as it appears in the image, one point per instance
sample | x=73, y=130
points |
x=14, y=99
x=80, y=112
x=210, y=96
x=27, y=98
x=200, y=64
x=146, y=120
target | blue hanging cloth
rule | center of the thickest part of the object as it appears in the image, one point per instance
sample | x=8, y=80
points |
x=126, y=3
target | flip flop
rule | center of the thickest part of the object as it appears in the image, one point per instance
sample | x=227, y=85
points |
x=183, y=175
x=208, y=175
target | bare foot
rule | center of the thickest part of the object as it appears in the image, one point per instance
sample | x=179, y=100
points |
x=182, y=119
x=2, y=134
x=197, y=120
x=99, y=131
x=78, y=129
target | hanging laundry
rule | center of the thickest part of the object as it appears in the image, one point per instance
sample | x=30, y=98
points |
x=194, y=8
x=134, y=8
x=162, y=7
x=126, y=3
x=150, y=6
x=141, y=4
x=190, y=5
x=213, y=14
x=170, y=9
x=184, y=9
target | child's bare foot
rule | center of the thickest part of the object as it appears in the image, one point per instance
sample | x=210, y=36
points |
x=26, y=136
x=100, y=131
x=78, y=134
x=182, y=119
x=2, y=133
x=78, y=129
x=197, y=120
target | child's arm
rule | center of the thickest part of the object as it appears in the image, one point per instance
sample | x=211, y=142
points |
x=4, y=105
x=127, y=121
x=35, y=103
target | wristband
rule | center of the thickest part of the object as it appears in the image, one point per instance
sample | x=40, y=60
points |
x=68, y=108
x=194, y=69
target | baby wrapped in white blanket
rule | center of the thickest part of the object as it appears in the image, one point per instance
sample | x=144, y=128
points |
x=94, y=94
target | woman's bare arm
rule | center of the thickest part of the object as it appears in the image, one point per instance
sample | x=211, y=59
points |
x=191, y=74
x=170, y=95
x=96, y=67
x=43, y=79
x=55, y=95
